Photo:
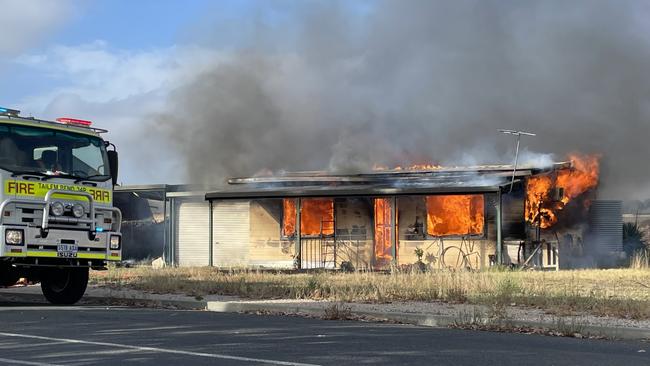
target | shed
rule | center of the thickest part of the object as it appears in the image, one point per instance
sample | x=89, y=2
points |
x=162, y=220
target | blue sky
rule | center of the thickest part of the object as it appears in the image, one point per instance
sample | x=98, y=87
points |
x=124, y=25
x=130, y=24
x=117, y=61
x=138, y=26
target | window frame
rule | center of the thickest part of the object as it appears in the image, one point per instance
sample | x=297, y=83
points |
x=304, y=236
x=482, y=235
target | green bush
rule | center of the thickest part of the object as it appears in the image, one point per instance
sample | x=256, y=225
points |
x=632, y=239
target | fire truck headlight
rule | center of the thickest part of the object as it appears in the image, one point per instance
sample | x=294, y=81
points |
x=115, y=242
x=78, y=210
x=14, y=237
x=57, y=208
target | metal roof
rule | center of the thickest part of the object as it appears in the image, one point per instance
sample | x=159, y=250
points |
x=447, y=180
x=402, y=175
x=169, y=190
x=367, y=185
x=142, y=187
x=167, y=187
x=344, y=191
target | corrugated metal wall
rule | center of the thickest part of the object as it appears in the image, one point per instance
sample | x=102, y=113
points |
x=606, y=224
x=231, y=230
x=192, y=233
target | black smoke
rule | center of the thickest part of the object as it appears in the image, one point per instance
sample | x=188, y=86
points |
x=343, y=88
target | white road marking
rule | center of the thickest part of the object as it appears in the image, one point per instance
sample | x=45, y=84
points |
x=123, y=330
x=115, y=352
x=154, y=349
x=19, y=362
x=27, y=345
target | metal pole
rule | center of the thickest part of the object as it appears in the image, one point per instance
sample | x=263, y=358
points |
x=166, y=228
x=357, y=259
x=320, y=252
x=210, y=236
x=165, y=232
x=518, y=134
x=499, y=232
x=335, y=242
x=393, y=224
x=172, y=231
x=298, y=249
x=514, y=171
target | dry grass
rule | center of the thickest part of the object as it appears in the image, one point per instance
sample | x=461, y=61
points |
x=641, y=260
x=621, y=292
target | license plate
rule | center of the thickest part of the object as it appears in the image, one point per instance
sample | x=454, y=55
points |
x=67, y=250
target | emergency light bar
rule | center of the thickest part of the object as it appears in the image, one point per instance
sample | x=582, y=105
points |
x=74, y=121
x=9, y=112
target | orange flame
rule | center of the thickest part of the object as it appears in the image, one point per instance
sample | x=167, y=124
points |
x=383, y=232
x=289, y=217
x=316, y=217
x=455, y=214
x=541, y=207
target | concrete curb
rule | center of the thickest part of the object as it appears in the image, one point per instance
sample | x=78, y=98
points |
x=421, y=319
x=114, y=301
x=427, y=320
x=153, y=303
x=407, y=318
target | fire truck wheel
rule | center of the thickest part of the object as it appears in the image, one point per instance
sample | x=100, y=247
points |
x=64, y=286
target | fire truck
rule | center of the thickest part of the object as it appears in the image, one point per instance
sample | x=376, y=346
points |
x=57, y=218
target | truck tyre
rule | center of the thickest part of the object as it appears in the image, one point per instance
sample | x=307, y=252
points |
x=64, y=286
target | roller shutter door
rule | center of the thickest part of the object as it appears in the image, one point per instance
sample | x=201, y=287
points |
x=231, y=233
x=606, y=223
x=192, y=231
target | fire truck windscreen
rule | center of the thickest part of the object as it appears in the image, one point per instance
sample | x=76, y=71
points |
x=28, y=149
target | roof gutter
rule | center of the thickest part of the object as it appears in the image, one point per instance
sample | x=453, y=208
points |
x=350, y=192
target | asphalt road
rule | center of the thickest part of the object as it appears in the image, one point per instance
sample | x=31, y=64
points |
x=36, y=334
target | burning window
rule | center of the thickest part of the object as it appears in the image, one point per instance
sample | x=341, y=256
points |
x=455, y=214
x=547, y=195
x=288, y=217
x=383, y=231
x=316, y=217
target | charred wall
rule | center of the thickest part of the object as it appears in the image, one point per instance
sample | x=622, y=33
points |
x=143, y=223
x=513, y=215
x=267, y=246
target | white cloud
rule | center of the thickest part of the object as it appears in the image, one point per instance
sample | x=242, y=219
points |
x=25, y=22
x=118, y=90
x=101, y=74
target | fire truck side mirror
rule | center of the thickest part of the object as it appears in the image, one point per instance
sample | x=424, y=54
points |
x=113, y=164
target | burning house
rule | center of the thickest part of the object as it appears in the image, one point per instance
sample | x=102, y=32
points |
x=450, y=217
